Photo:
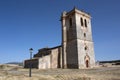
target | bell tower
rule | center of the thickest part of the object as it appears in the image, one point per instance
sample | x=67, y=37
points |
x=77, y=43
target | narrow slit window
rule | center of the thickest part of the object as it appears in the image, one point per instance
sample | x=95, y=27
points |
x=81, y=19
x=85, y=23
x=84, y=34
x=86, y=47
x=70, y=22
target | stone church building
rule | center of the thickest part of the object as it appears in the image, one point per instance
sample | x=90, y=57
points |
x=76, y=50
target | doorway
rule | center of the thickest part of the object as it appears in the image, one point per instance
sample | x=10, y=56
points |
x=87, y=63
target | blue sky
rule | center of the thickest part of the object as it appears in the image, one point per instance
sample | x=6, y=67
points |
x=35, y=23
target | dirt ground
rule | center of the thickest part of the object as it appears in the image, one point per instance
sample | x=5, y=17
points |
x=8, y=72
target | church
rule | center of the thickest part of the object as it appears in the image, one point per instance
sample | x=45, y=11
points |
x=77, y=48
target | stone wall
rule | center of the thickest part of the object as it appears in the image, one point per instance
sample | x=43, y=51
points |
x=33, y=63
x=44, y=62
x=53, y=60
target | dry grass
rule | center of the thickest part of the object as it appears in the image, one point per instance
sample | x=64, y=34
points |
x=18, y=73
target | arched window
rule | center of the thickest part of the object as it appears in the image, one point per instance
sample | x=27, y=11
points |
x=70, y=22
x=81, y=20
x=85, y=23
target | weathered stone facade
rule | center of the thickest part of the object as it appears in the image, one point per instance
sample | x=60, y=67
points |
x=76, y=50
x=46, y=58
